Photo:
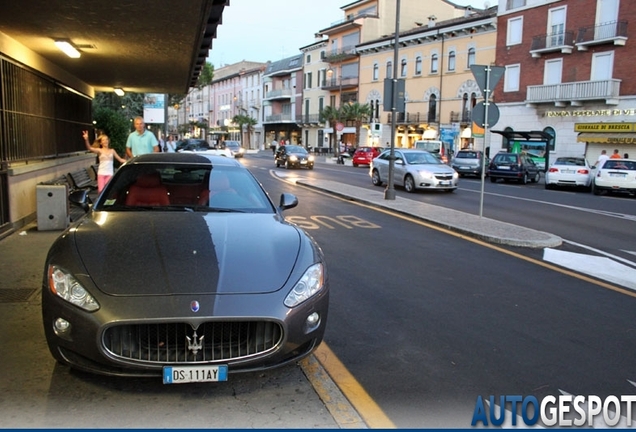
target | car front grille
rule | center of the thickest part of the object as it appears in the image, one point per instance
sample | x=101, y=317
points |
x=440, y=176
x=174, y=343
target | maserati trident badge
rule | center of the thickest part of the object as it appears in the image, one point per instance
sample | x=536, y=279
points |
x=195, y=344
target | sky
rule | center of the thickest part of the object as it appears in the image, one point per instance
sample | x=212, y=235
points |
x=259, y=30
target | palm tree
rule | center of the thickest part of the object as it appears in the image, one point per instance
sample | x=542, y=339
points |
x=248, y=122
x=332, y=115
x=357, y=113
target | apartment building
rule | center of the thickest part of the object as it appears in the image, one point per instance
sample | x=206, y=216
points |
x=314, y=97
x=440, y=90
x=282, y=100
x=364, y=21
x=566, y=88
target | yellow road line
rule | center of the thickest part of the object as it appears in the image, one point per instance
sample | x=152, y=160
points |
x=366, y=407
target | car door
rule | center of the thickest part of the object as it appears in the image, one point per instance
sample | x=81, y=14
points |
x=531, y=167
x=399, y=169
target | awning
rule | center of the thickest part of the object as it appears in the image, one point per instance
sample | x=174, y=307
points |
x=607, y=138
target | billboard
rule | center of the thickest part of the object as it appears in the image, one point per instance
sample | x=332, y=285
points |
x=154, y=108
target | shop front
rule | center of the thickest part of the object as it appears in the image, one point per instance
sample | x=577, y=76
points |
x=606, y=136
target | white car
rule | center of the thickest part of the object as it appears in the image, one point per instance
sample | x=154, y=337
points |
x=569, y=172
x=414, y=169
x=616, y=175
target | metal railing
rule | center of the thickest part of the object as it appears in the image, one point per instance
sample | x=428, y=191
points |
x=604, y=31
x=574, y=91
x=552, y=40
x=279, y=94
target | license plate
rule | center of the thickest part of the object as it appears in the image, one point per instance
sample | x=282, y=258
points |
x=567, y=171
x=503, y=167
x=464, y=167
x=445, y=183
x=194, y=374
x=621, y=175
x=303, y=162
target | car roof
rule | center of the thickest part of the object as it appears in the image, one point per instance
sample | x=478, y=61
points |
x=187, y=157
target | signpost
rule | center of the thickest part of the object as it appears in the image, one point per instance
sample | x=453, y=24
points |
x=485, y=115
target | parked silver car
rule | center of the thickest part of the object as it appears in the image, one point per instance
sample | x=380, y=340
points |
x=469, y=162
x=414, y=169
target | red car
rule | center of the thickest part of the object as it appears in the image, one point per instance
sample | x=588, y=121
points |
x=364, y=155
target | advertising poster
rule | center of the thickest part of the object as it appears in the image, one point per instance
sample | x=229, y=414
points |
x=154, y=108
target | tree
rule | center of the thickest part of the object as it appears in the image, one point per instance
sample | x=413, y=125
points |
x=332, y=115
x=248, y=122
x=358, y=114
x=206, y=76
x=115, y=125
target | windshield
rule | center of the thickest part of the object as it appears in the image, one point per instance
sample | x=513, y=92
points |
x=295, y=149
x=183, y=187
x=416, y=158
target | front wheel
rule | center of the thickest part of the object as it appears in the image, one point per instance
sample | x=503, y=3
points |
x=409, y=184
x=287, y=165
x=536, y=178
x=375, y=178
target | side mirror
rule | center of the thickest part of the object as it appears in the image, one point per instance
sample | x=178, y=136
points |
x=287, y=201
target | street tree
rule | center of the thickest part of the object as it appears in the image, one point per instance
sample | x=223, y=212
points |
x=357, y=113
x=332, y=115
x=244, y=120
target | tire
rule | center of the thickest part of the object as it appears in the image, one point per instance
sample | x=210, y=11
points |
x=355, y=165
x=536, y=178
x=375, y=178
x=310, y=167
x=595, y=190
x=524, y=179
x=409, y=184
x=287, y=165
x=548, y=186
x=277, y=164
x=493, y=179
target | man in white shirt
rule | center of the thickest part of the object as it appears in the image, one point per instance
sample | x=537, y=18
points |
x=601, y=159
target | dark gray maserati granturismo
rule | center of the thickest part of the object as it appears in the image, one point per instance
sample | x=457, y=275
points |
x=184, y=269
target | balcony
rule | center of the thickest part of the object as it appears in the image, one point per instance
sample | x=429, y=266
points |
x=345, y=83
x=414, y=118
x=461, y=117
x=612, y=32
x=338, y=56
x=553, y=42
x=279, y=118
x=279, y=94
x=575, y=92
x=309, y=120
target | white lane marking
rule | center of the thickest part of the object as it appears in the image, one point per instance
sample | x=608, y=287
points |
x=582, y=209
x=607, y=254
x=596, y=266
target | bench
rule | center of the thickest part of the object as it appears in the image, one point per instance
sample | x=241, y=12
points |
x=81, y=179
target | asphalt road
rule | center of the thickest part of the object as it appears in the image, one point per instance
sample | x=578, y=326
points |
x=427, y=321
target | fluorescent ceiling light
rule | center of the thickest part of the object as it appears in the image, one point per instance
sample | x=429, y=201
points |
x=119, y=91
x=68, y=48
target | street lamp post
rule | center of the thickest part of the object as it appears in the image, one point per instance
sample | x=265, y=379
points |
x=330, y=73
x=389, y=193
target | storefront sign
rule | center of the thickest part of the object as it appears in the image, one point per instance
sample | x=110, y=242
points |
x=592, y=113
x=604, y=127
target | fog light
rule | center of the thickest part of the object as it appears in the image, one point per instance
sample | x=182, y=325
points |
x=312, y=322
x=61, y=326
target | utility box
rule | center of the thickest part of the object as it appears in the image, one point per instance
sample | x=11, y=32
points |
x=52, y=207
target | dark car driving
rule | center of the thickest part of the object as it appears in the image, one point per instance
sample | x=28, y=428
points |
x=293, y=156
x=192, y=144
x=152, y=281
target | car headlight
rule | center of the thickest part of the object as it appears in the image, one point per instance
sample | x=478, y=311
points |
x=426, y=174
x=67, y=287
x=311, y=158
x=309, y=284
x=455, y=175
x=293, y=158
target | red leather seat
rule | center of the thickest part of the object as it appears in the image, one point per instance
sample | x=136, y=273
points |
x=148, y=191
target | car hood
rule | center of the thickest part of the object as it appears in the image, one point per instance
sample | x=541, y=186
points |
x=183, y=253
x=443, y=168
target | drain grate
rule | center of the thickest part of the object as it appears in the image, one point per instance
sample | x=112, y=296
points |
x=17, y=295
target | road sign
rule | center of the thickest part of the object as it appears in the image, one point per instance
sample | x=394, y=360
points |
x=479, y=114
x=480, y=73
x=339, y=127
